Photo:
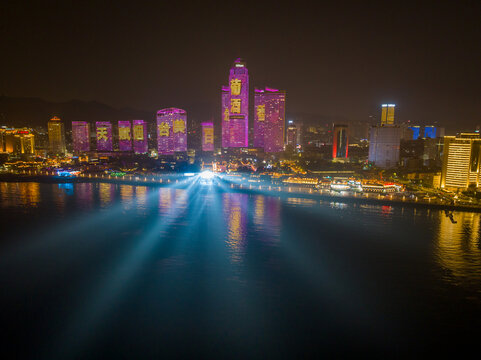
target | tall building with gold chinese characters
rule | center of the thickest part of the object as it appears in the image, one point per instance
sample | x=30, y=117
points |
x=269, y=119
x=461, y=161
x=207, y=136
x=56, y=136
x=125, y=136
x=171, y=131
x=235, y=107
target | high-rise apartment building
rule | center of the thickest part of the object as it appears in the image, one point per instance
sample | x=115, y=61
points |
x=140, y=140
x=56, y=136
x=81, y=136
x=171, y=131
x=387, y=114
x=103, y=130
x=125, y=136
x=461, y=161
x=235, y=107
x=291, y=134
x=259, y=118
x=207, y=136
x=340, y=142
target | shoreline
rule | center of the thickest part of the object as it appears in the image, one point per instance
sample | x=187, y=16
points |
x=307, y=193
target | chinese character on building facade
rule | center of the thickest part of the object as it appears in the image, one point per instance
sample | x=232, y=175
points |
x=179, y=126
x=235, y=106
x=164, y=129
x=235, y=86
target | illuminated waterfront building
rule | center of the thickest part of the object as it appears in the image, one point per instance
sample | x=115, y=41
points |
x=269, y=119
x=235, y=107
x=56, y=136
x=340, y=142
x=125, y=136
x=461, y=160
x=171, y=131
x=103, y=132
x=139, y=129
x=259, y=118
x=81, y=136
x=384, y=145
x=387, y=114
x=18, y=141
x=207, y=136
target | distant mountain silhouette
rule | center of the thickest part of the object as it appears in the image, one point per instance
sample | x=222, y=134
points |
x=36, y=112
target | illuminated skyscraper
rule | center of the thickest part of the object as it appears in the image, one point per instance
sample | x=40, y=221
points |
x=387, y=114
x=139, y=128
x=461, y=161
x=207, y=136
x=81, y=136
x=56, y=136
x=19, y=141
x=171, y=131
x=104, y=135
x=340, y=142
x=259, y=118
x=275, y=113
x=416, y=131
x=125, y=136
x=235, y=98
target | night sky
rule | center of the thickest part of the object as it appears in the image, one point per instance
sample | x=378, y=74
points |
x=343, y=59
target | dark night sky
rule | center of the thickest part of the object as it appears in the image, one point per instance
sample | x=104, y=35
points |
x=342, y=59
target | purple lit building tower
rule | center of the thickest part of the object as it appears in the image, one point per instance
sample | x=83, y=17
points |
x=225, y=116
x=207, y=136
x=259, y=118
x=235, y=131
x=125, y=136
x=139, y=130
x=171, y=131
x=104, y=135
x=81, y=136
x=269, y=119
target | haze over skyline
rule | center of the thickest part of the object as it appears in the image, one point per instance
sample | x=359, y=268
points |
x=330, y=60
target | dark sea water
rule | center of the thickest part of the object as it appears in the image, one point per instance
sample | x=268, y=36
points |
x=96, y=270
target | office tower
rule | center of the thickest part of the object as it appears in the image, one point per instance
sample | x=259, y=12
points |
x=291, y=136
x=430, y=131
x=416, y=131
x=171, y=131
x=340, y=142
x=384, y=145
x=461, y=161
x=125, y=136
x=235, y=105
x=274, y=128
x=387, y=114
x=207, y=136
x=81, y=136
x=103, y=130
x=259, y=118
x=56, y=136
x=139, y=128
x=19, y=141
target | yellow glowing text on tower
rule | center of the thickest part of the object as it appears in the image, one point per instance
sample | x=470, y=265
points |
x=138, y=132
x=235, y=86
x=124, y=133
x=226, y=114
x=102, y=133
x=235, y=106
x=164, y=129
x=179, y=126
x=261, y=113
x=208, y=136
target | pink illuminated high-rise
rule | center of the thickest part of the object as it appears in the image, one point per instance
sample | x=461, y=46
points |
x=104, y=135
x=81, y=136
x=207, y=136
x=125, y=136
x=171, y=131
x=269, y=119
x=139, y=130
x=235, y=107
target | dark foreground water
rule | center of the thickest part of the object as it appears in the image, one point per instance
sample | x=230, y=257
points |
x=118, y=271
